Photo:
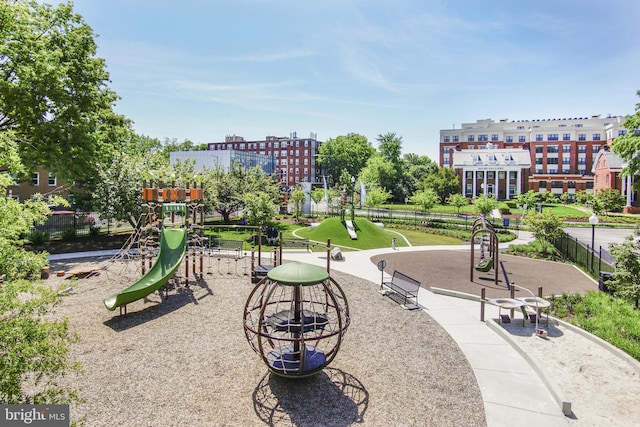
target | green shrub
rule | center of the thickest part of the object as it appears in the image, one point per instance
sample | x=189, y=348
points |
x=94, y=231
x=38, y=237
x=504, y=209
x=69, y=234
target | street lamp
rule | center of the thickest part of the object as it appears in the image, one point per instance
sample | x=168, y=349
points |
x=593, y=220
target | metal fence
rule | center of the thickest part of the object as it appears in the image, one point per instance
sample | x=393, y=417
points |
x=61, y=223
x=580, y=253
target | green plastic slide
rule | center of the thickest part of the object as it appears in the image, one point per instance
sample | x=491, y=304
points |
x=173, y=245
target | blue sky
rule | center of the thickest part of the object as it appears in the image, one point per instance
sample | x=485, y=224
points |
x=201, y=70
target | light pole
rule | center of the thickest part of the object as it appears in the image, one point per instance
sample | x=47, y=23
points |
x=593, y=220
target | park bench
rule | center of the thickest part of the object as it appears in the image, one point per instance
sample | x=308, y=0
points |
x=289, y=242
x=404, y=286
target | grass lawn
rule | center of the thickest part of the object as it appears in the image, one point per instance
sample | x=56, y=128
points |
x=370, y=236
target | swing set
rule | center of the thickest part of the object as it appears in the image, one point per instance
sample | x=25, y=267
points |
x=488, y=256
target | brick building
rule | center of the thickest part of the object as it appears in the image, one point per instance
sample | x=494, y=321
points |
x=561, y=151
x=295, y=158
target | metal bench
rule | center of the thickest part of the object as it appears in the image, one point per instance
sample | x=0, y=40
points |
x=295, y=243
x=404, y=286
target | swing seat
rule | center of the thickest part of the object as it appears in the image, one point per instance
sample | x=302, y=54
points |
x=485, y=265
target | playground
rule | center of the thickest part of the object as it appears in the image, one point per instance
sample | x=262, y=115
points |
x=185, y=360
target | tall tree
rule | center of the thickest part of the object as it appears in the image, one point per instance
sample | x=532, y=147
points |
x=627, y=146
x=53, y=90
x=226, y=192
x=344, y=153
x=34, y=346
x=444, y=182
x=399, y=182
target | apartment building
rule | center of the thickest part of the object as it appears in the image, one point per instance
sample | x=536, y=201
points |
x=41, y=182
x=295, y=158
x=561, y=152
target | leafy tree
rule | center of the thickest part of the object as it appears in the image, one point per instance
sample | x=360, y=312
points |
x=317, y=194
x=376, y=196
x=344, y=153
x=259, y=208
x=418, y=166
x=426, y=199
x=546, y=228
x=377, y=172
x=34, y=347
x=53, y=91
x=528, y=199
x=458, y=201
x=628, y=145
x=611, y=200
x=297, y=198
x=485, y=204
x=549, y=197
x=226, y=192
x=444, y=182
x=398, y=181
x=118, y=192
x=625, y=280
x=171, y=145
x=582, y=197
x=564, y=198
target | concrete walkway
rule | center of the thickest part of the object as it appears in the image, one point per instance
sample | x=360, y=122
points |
x=512, y=391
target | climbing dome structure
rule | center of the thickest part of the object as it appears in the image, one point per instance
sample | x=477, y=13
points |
x=295, y=319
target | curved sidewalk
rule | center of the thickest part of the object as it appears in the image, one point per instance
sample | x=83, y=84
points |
x=513, y=393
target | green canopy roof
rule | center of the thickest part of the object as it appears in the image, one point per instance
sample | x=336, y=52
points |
x=298, y=273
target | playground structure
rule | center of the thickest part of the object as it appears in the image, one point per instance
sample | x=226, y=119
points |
x=295, y=319
x=171, y=230
x=488, y=256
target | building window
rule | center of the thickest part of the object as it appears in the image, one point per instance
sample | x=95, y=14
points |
x=469, y=174
x=556, y=184
x=596, y=137
x=456, y=138
x=480, y=175
x=539, y=160
x=552, y=161
x=522, y=138
x=566, y=148
x=446, y=161
x=447, y=150
x=470, y=138
x=571, y=184
x=491, y=175
x=446, y=138
x=566, y=169
x=582, y=137
x=52, y=180
x=566, y=137
x=565, y=160
x=543, y=185
x=513, y=175
x=552, y=137
x=552, y=149
x=469, y=190
x=538, y=137
x=509, y=139
x=595, y=148
x=582, y=148
x=622, y=132
x=520, y=128
x=538, y=170
x=494, y=137
x=35, y=179
x=539, y=149
x=589, y=185
x=483, y=138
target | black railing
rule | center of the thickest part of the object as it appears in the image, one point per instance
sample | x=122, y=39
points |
x=583, y=255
